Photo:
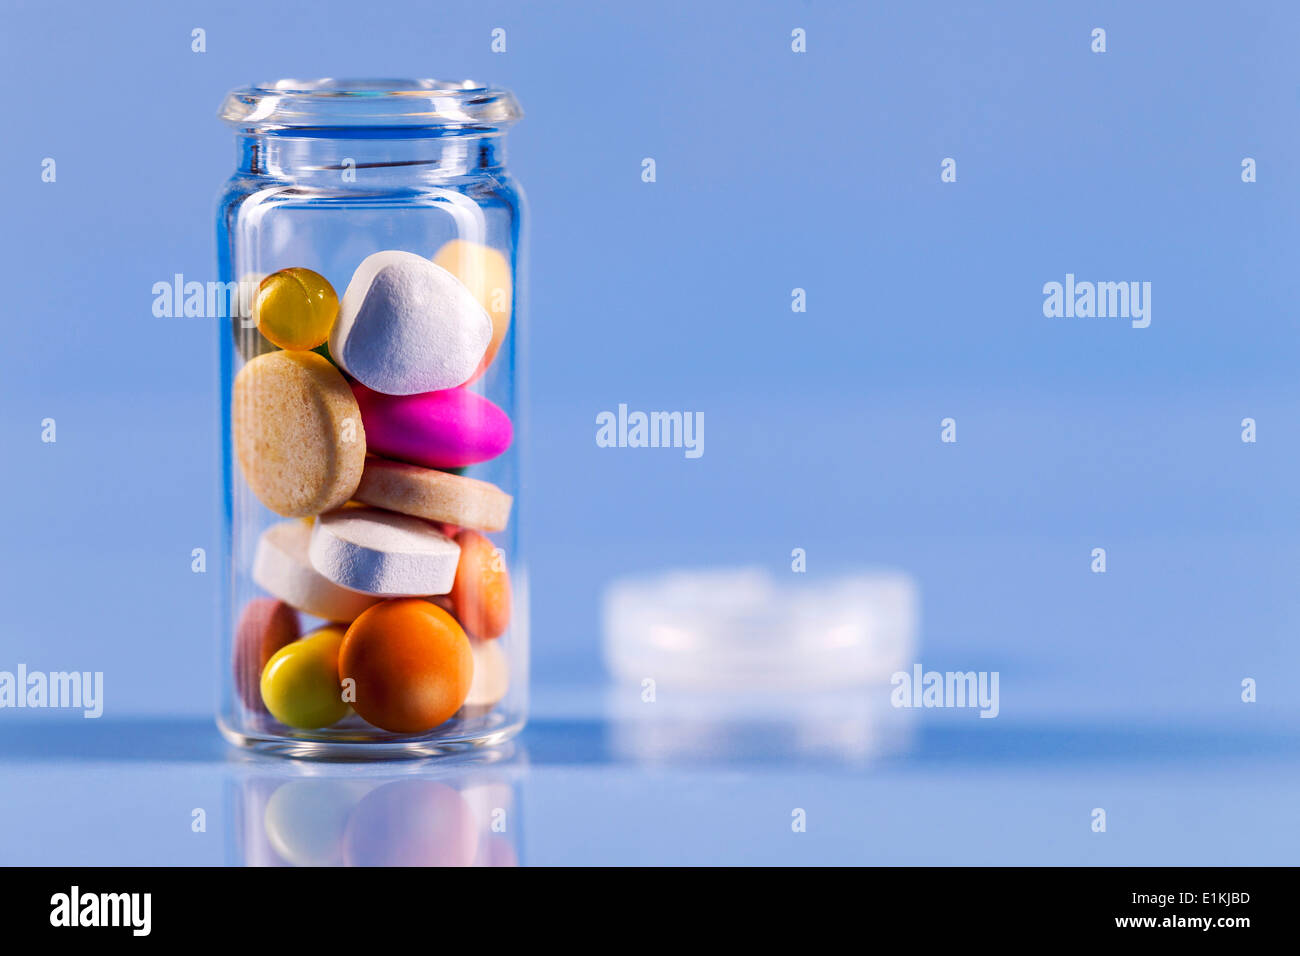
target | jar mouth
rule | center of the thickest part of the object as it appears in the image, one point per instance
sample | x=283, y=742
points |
x=329, y=102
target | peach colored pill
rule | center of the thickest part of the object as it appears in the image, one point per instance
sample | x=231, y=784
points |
x=480, y=595
x=486, y=273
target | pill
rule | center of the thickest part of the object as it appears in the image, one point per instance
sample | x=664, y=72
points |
x=265, y=626
x=295, y=308
x=410, y=664
x=496, y=850
x=480, y=595
x=450, y=428
x=305, y=819
x=406, y=326
x=491, y=678
x=379, y=552
x=486, y=796
x=486, y=274
x=297, y=432
x=300, y=684
x=435, y=495
x=411, y=823
x=310, y=520
x=281, y=567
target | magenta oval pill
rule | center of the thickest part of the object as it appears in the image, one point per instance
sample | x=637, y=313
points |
x=449, y=428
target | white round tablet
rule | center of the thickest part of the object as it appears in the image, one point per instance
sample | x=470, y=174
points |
x=406, y=325
x=383, y=553
x=281, y=568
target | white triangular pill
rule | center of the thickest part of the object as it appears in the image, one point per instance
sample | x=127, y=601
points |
x=406, y=325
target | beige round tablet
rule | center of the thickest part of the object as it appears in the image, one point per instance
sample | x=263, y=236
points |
x=298, y=434
x=434, y=495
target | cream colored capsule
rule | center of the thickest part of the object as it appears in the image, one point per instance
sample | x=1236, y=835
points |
x=491, y=676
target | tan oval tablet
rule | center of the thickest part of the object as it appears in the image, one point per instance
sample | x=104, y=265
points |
x=434, y=495
x=297, y=432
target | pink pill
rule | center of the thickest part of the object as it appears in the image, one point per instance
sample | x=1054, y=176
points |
x=449, y=428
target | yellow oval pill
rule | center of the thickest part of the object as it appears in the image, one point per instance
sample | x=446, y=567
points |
x=300, y=683
x=295, y=308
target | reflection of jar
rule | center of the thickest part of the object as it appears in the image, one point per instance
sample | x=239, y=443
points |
x=369, y=243
x=467, y=818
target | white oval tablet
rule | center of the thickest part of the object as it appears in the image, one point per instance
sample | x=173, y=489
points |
x=406, y=325
x=383, y=553
x=281, y=568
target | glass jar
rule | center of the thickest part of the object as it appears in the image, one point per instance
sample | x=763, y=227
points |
x=369, y=245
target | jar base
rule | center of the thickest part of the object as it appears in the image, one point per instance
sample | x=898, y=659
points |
x=305, y=748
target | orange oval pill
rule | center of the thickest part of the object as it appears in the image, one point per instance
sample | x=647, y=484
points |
x=410, y=663
x=480, y=595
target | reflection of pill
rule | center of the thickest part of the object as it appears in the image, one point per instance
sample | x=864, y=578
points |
x=410, y=665
x=491, y=677
x=490, y=799
x=305, y=819
x=295, y=308
x=480, y=595
x=486, y=274
x=379, y=552
x=265, y=626
x=297, y=432
x=411, y=823
x=300, y=685
x=406, y=325
x=281, y=567
x=435, y=495
x=496, y=850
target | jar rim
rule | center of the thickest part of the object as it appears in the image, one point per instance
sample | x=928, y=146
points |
x=330, y=102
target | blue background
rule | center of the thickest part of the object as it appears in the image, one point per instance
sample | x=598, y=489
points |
x=775, y=170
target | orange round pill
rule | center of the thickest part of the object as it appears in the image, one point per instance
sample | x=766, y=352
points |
x=480, y=595
x=410, y=664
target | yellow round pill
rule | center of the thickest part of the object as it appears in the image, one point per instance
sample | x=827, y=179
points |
x=295, y=308
x=300, y=683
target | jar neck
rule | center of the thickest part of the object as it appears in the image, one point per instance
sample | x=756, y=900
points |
x=366, y=158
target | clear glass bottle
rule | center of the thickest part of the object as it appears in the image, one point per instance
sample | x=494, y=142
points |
x=371, y=505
